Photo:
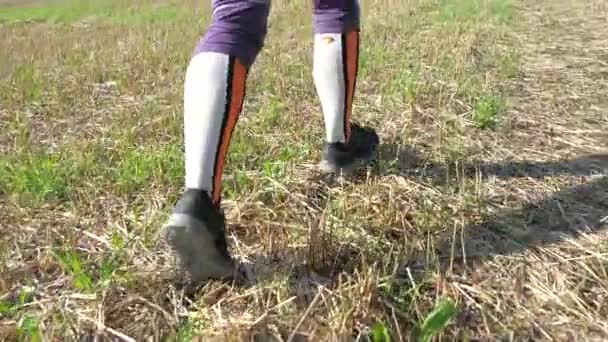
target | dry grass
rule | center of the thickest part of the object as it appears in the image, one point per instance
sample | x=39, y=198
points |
x=490, y=189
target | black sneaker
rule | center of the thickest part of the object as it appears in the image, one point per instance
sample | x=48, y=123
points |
x=340, y=158
x=196, y=233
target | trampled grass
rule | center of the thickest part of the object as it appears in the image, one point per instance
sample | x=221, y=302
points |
x=483, y=219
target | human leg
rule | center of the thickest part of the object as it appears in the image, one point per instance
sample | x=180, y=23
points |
x=335, y=69
x=214, y=91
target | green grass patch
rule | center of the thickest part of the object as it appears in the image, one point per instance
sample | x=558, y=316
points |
x=463, y=12
x=237, y=183
x=42, y=176
x=29, y=81
x=111, y=261
x=141, y=169
x=150, y=14
x=73, y=265
x=7, y=309
x=122, y=12
x=487, y=110
x=380, y=333
x=245, y=151
x=270, y=114
x=28, y=329
x=62, y=11
x=90, y=276
x=436, y=320
x=38, y=177
x=404, y=86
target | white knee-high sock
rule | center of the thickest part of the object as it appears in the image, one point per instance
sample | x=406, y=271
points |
x=213, y=97
x=336, y=58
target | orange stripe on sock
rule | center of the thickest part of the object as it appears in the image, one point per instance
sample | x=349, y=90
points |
x=237, y=95
x=351, y=68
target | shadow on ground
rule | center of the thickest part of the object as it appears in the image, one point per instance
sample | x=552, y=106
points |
x=580, y=208
x=568, y=213
x=405, y=161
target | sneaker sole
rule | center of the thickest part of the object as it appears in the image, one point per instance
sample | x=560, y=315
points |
x=190, y=239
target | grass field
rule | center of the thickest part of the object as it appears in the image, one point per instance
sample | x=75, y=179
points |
x=484, y=218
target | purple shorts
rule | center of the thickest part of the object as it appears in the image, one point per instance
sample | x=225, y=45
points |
x=238, y=27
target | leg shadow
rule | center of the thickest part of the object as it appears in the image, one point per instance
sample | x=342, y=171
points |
x=567, y=214
x=404, y=160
